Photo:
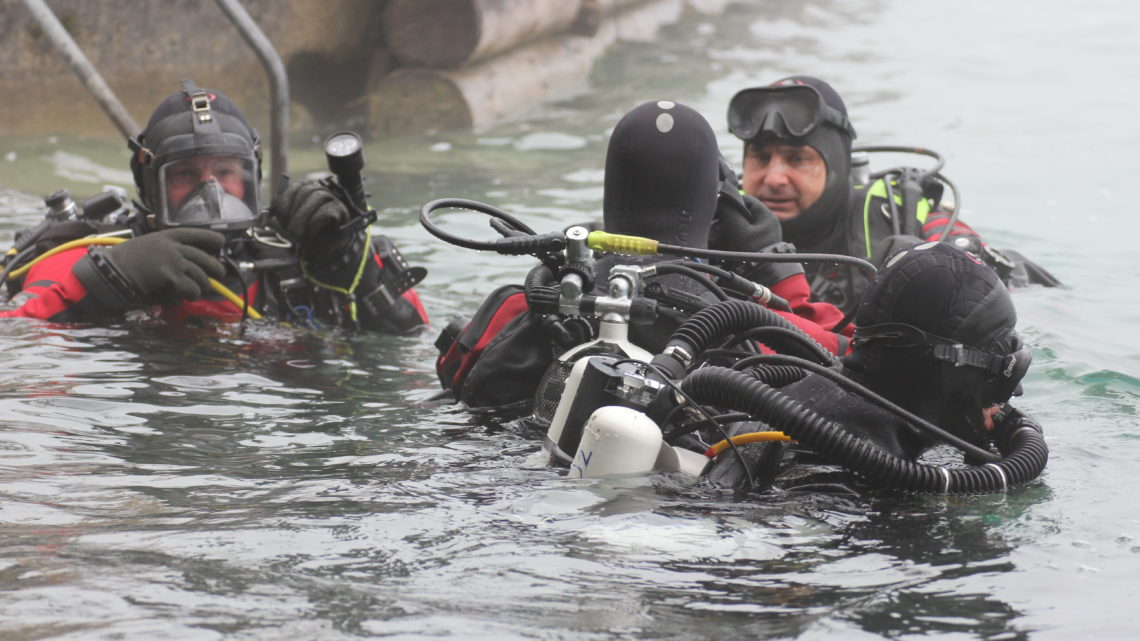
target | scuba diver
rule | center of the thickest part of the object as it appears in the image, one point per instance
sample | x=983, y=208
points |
x=798, y=164
x=664, y=180
x=935, y=336
x=198, y=229
x=742, y=390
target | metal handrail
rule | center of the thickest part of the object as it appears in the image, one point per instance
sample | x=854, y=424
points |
x=82, y=67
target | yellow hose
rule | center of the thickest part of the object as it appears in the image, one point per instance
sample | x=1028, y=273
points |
x=744, y=439
x=225, y=292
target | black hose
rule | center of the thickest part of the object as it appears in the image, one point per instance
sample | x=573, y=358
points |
x=785, y=340
x=957, y=208
x=739, y=284
x=676, y=268
x=529, y=242
x=729, y=317
x=777, y=375
x=541, y=290
x=939, y=163
x=916, y=422
x=726, y=388
x=767, y=257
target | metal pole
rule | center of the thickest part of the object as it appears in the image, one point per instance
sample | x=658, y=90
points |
x=82, y=67
x=278, y=86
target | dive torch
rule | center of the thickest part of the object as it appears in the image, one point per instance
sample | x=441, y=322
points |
x=344, y=153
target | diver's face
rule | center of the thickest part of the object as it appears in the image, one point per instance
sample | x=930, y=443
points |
x=185, y=175
x=786, y=178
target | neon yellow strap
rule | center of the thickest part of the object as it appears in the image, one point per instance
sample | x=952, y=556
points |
x=355, y=279
x=879, y=188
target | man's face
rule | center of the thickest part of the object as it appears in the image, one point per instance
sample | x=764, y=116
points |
x=786, y=178
x=183, y=176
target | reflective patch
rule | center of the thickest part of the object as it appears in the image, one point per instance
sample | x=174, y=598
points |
x=894, y=259
x=19, y=299
x=666, y=104
x=664, y=123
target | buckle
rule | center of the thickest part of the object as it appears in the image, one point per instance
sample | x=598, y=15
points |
x=200, y=105
x=954, y=354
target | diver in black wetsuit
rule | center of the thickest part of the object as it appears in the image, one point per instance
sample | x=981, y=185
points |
x=934, y=336
x=797, y=162
x=664, y=180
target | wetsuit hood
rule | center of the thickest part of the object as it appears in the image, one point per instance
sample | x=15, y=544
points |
x=935, y=334
x=833, y=142
x=662, y=175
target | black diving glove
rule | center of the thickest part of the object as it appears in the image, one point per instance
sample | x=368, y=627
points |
x=744, y=224
x=164, y=267
x=311, y=215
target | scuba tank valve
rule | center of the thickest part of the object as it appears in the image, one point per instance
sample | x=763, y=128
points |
x=860, y=168
x=60, y=206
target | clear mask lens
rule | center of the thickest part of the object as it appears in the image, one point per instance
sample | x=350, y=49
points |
x=218, y=192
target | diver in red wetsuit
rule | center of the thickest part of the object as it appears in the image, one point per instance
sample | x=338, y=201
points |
x=196, y=232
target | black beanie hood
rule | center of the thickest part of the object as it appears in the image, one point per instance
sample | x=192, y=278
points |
x=662, y=175
x=944, y=291
x=947, y=293
x=834, y=145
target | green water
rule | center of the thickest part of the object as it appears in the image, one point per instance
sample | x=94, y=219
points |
x=278, y=484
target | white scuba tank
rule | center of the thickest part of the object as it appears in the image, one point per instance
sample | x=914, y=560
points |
x=616, y=336
x=616, y=440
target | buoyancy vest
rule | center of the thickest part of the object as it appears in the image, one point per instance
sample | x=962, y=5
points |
x=860, y=233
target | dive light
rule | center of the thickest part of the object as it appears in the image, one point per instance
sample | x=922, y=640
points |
x=344, y=153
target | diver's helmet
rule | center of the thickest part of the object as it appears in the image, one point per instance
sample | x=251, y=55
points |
x=197, y=163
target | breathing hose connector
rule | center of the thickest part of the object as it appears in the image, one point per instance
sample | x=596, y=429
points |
x=530, y=245
x=620, y=244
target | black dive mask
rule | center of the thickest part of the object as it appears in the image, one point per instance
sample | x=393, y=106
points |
x=784, y=112
x=1001, y=373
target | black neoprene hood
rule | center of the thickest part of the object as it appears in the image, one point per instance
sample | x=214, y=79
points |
x=834, y=144
x=944, y=291
x=662, y=175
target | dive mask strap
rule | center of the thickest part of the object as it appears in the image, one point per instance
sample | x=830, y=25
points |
x=902, y=335
x=203, y=117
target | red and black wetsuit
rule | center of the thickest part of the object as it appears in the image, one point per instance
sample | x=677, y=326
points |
x=499, y=357
x=51, y=290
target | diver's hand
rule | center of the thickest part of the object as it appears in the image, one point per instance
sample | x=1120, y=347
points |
x=743, y=224
x=311, y=215
x=752, y=228
x=165, y=267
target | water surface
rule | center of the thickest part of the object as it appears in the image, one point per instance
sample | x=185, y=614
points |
x=273, y=483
